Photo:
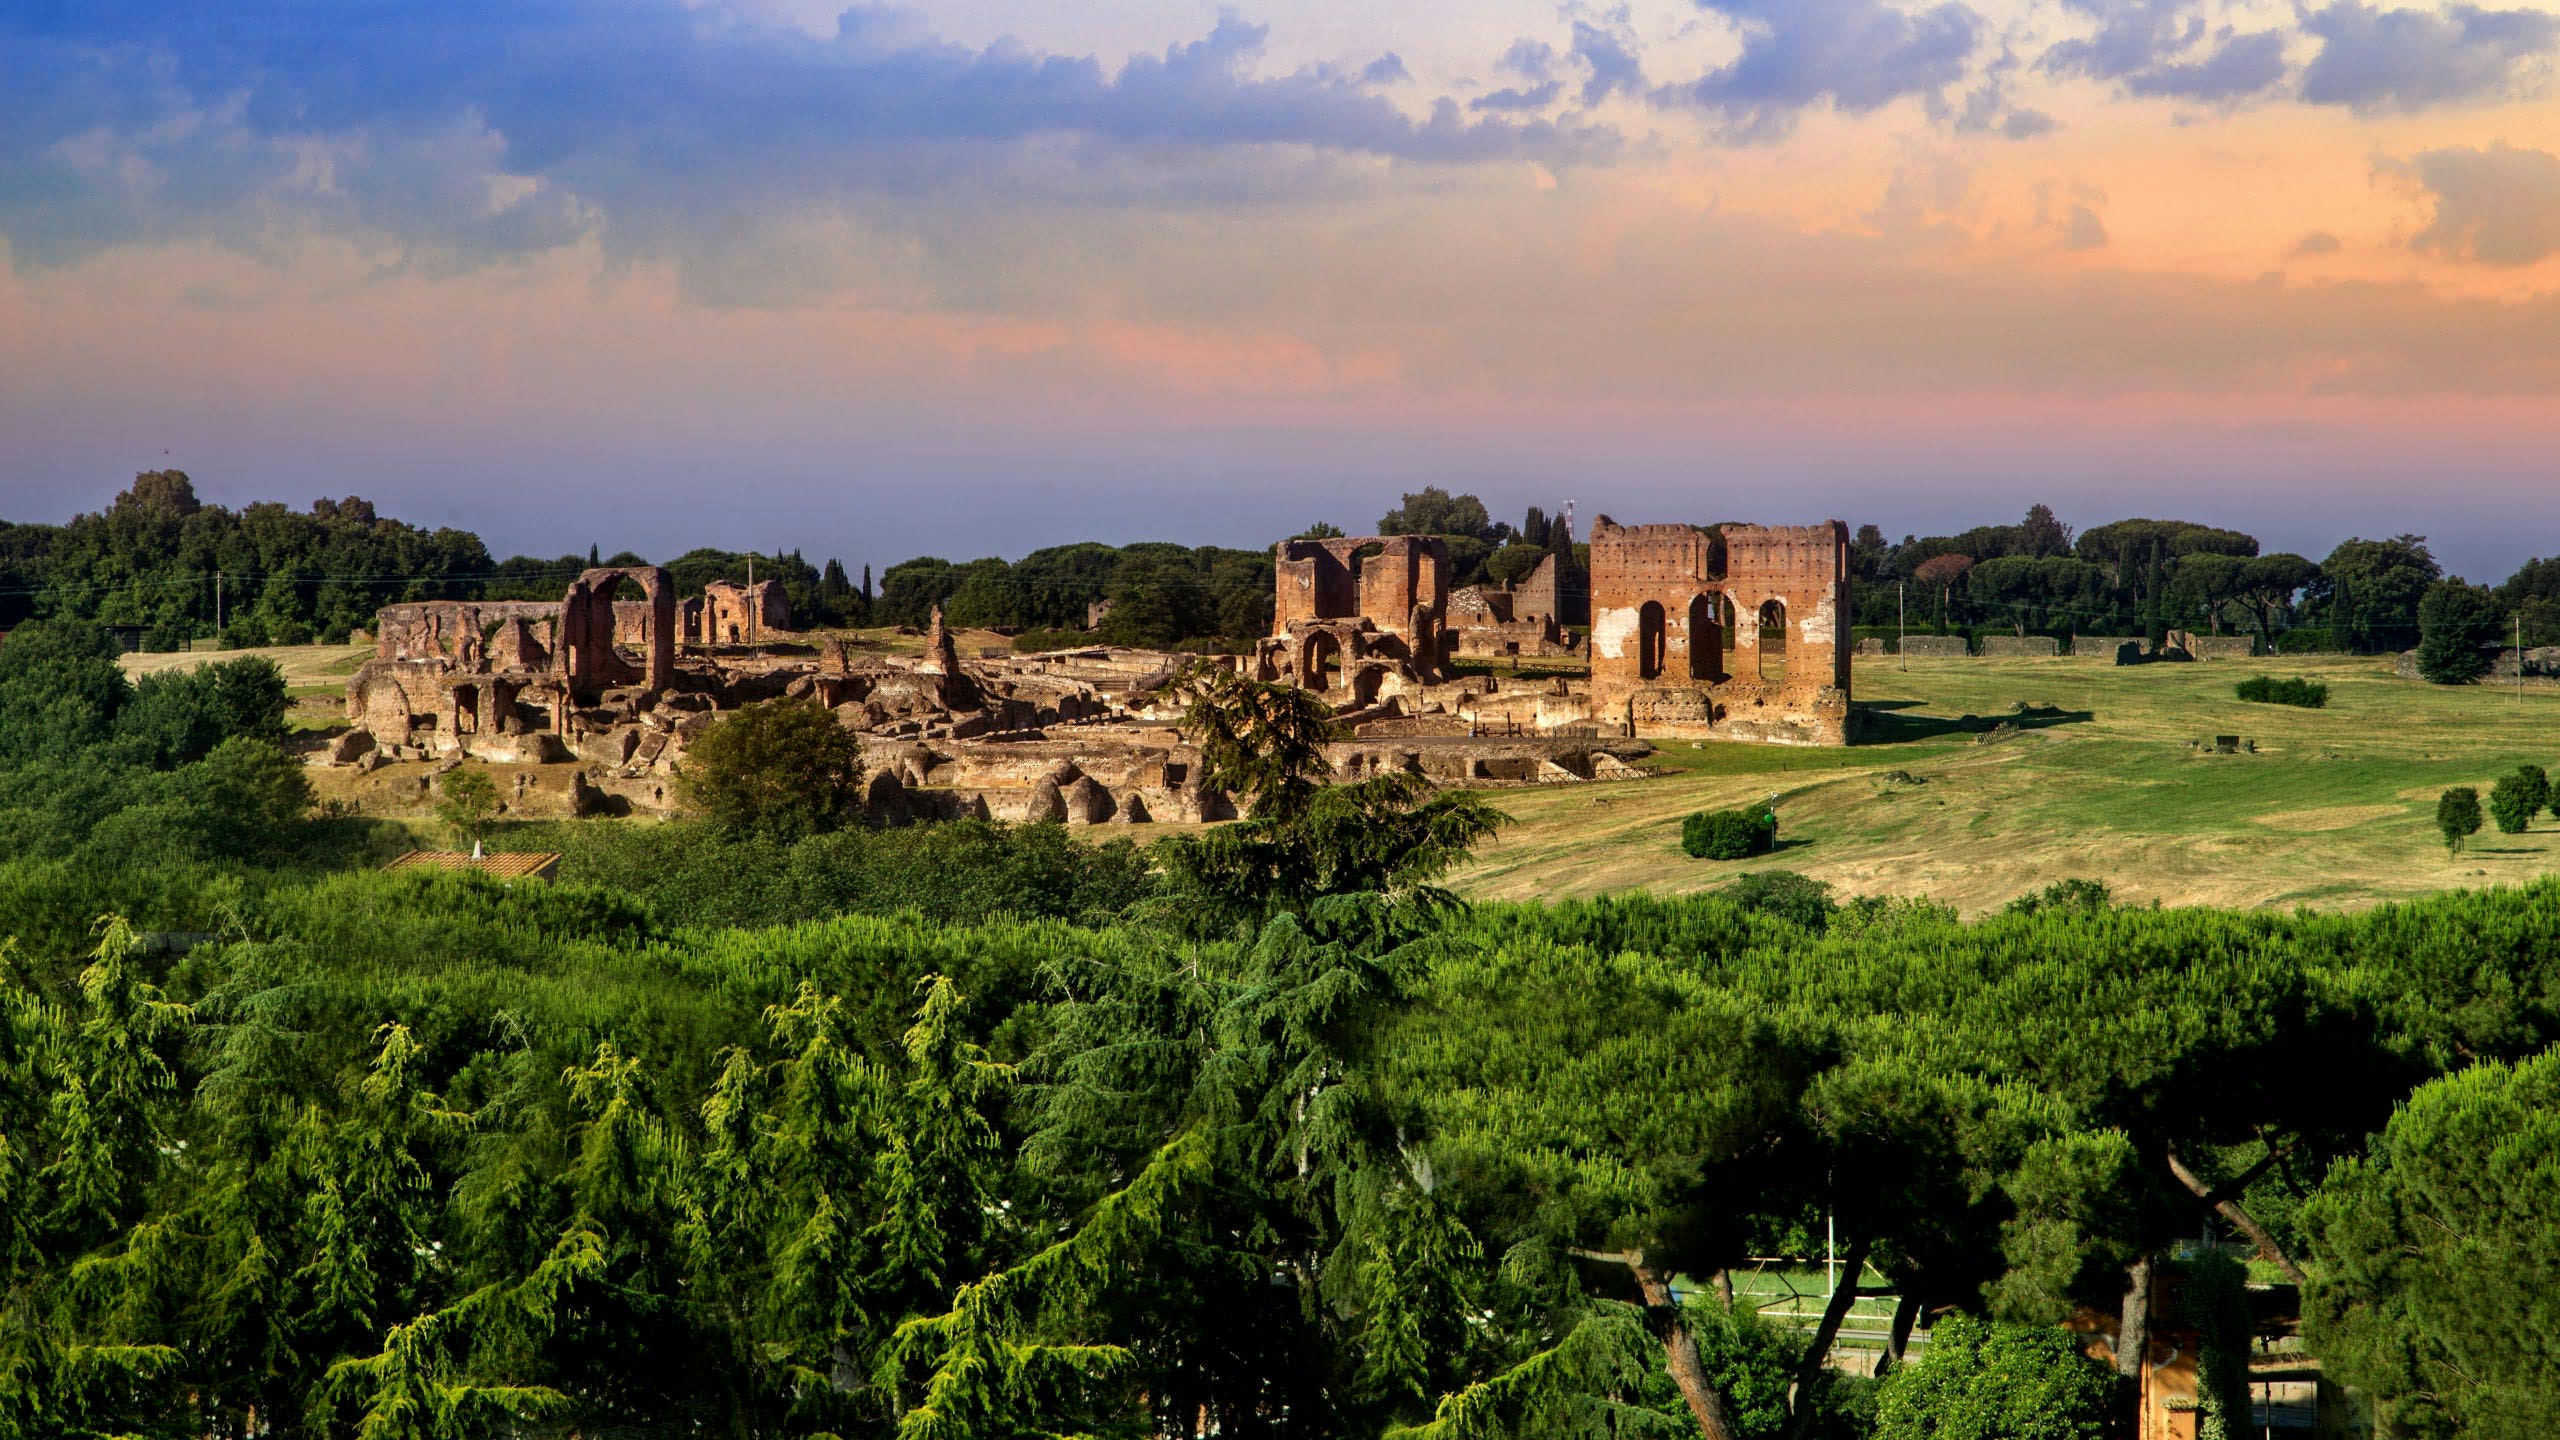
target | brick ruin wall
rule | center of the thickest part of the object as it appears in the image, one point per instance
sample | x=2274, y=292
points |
x=1664, y=599
x=1383, y=599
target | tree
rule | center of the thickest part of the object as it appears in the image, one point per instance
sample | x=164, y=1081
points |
x=2537, y=787
x=782, y=769
x=1262, y=743
x=1434, y=511
x=468, y=802
x=2458, y=816
x=1942, y=573
x=2041, y=535
x=2456, y=622
x=2369, y=590
x=182, y=714
x=1321, y=530
x=1513, y=562
x=1997, y=1382
x=2434, y=1245
x=2512, y=804
x=2267, y=586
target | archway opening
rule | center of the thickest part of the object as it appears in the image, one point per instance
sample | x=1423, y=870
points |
x=1773, y=641
x=1706, y=639
x=1323, y=663
x=1650, y=641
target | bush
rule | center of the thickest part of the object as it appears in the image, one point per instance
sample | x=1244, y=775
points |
x=2517, y=798
x=2073, y=896
x=2309, y=640
x=1785, y=894
x=2458, y=816
x=1730, y=834
x=782, y=769
x=2019, y=1382
x=2267, y=690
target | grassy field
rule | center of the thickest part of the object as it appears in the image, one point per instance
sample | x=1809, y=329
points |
x=2336, y=808
x=314, y=675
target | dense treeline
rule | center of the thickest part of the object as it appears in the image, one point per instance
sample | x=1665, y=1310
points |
x=975, y=1131
x=149, y=565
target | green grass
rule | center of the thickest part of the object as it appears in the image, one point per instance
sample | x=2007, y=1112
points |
x=2336, y=808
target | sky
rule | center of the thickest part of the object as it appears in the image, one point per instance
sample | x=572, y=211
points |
x=976, y=276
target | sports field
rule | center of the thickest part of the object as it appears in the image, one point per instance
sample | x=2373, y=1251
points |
x=2336, y=807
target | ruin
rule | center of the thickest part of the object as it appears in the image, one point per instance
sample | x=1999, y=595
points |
x=1527, y=618
x=1734, y=633
x=1352, y=614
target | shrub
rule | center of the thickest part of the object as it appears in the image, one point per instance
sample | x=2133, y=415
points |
x=1785, y=894
x=2305, y=641
x=2022, y=1382
x=784, y=769
x=1730, y=834
x=2075, y=896
x=2458, y=816
x=2267, y=690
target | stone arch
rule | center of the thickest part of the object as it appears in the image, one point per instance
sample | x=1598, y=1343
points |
x=1773, y=641
x=586, y=652
x=1651, y=640
x=1706, y=638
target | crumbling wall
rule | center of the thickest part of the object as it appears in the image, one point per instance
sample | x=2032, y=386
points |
x=1935, y=647
x=735, y=614
x=2020, y=647
x=1678, y=615
x=2102, y=647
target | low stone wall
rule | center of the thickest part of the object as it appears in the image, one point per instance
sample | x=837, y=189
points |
x=2222, y=647
x=2102, y=648
x=1935, y=647
x=1873, y=646
x=2021, y=646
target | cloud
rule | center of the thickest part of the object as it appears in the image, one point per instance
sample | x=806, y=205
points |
x=2082, y=229
x=1531, y=60
x=1535, y=97
x=2160, y=48
x=464, y=134
x=1611, y=57
x=2499, y=206
x=1987, y=109
x=2240, y=67
x=1387, y=69
x=1857, y=55
x=2314, y=245
x=2374, y=61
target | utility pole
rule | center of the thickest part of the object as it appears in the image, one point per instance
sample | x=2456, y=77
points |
x=2519, y=657
x=1901, y=627
x=217, y=608
x=752, y=607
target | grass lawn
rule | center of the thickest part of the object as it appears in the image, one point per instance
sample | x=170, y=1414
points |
x=2336, y=809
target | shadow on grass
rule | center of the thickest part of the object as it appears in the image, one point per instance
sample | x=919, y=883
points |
x=1878, y=722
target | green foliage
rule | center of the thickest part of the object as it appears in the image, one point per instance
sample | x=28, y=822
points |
x=1983, y=1381
x=2458, y=816
x=2515, y=800
x=2213, y=1300
x=2433, y=1248
x=2266, y=690
x=2076, y=895
x=467, y=803
x=2455, y=622
x=60, y=689
x=1798, y=899
x=782, y=770
x=1434, y=511
x=1262, y=743
x=1730, y=834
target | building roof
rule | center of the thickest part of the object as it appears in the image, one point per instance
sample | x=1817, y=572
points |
x=516, y=865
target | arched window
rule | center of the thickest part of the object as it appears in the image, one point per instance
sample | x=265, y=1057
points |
x=1706, y=639
x=1773, y=641
x=1650, y=641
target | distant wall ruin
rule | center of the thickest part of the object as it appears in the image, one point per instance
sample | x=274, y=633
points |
x=1738, y=633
